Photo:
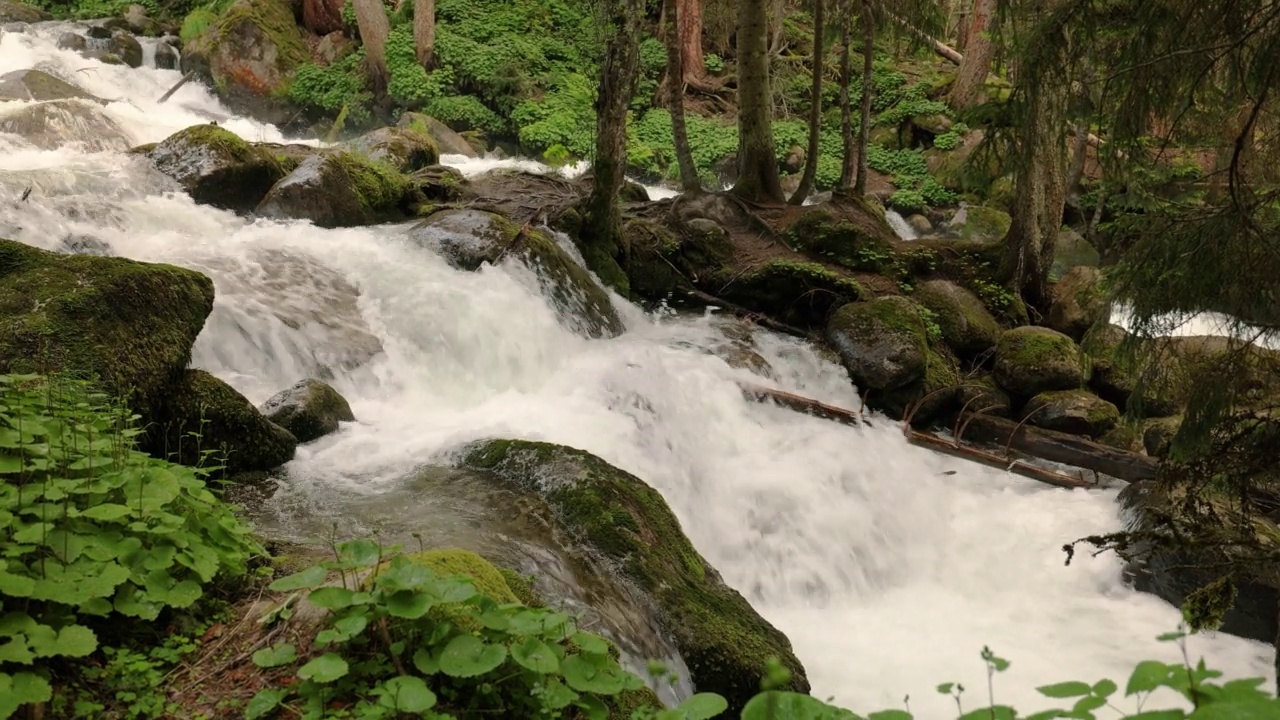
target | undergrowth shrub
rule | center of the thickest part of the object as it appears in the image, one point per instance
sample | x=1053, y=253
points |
x=97, y=539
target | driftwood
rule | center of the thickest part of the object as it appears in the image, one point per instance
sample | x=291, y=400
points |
x=1042, y=444
x=174, y=89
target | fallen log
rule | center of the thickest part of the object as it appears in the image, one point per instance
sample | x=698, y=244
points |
x=174, y=89
x=1060, y=447
x=929, y=441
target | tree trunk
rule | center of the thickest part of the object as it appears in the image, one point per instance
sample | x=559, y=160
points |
x=978, y=53
x=1039, y=193
x=618, y=74
x=868, y=88
x=322, y=16
x=757, y=161
x=776, y=14
x=847, y=166
x=689, y=13
x=675, y=98
x=371, y=18
x=424, y=31
x=815, y=107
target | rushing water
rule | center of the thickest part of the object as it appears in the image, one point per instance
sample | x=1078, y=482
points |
x=888, y=567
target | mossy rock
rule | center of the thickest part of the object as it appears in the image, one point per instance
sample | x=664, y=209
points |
x=926, y=399
x=1077, y=302
x=1116, y=375
x=310, y=409
x=469, y=238
x=16, y=12
x=654, y=259
x=883, y=343
x=722, y=639
x=131, y=325
x=967, y=326
x=242, y=440
x=1078, y=412
x=216, y=167
x=1157, y=435
x=983, y=395
x=803, y=293
x=40, y=86
x=339, y=189
x=984, y=224
x=446, y=140
x=857, y=237
x=403, y=148
x=1032, y=360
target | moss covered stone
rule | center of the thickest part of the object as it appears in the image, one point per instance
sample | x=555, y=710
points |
x=486, y=578
x=403, y=148
x=339, y=189
x=217, y=167
x=984, y=224
x=982, y=394
x=445, y=138
x=1072, y=411
x=310, y=409
x=1031, y=360
x=803, y=293
x=723, y=641
x=1077, y=302
x=966, y=324
x=470, y=238
x=241, y=439
x=860, y=239
x=131, y=325
x=882, y=343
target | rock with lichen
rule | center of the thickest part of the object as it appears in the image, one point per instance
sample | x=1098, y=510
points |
x=1032, y=360
x=403, y=148
x=337, y=188
x=216, y=167
x=1078, y=412
x=966, y=324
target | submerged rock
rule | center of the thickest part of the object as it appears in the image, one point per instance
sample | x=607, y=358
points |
x=1072, y=411
x=216, y=167
x=722, y=639
x=1031, y=360
x=51, y=125
x=240, y=438
x=310, y=410
x=130, y=324
x=405, y=149
x=39, y=85
x=470, y=238
x=337, y=189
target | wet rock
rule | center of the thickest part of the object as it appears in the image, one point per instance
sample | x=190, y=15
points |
x=438, y=183
x=137, y=21
x=967, y=326
x=1076, y=302
x=1158, y=433
x=127, y=47
x=405, y=149
x=310, y=410
x=98, y=32
x=240, y=438
x=1031, y=360
x=882, y=343
x=166, y=57
x=249, y=55
x=51, y=125
x=447, y=141
x=129, y=323
x=722, y=639
x=920, y=224
x=216, y=167
x=983, y=395
x=72, y=41
x=337, y=189
x=39, y=85
x=86, y=245
x=1078, y=412
x=469, y=238
x=16, y=12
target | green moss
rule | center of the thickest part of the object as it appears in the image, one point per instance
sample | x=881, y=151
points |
x=860, y=241
x=128, y=324
x=522, y=587
x=722, y=639
x=964, y=321
x=487, y=579
x=276, y=20
x=986, y=224
x=379, y=187
x=793, y=291
x=1034, y=348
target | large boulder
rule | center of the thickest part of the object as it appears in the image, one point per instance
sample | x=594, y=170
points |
x=1072, y=411
x=722, y=639
x=249, y=53
x=967, y=326
x=53, y=124
x=129, y=324
x=16, y=12
x=793, y=291
x=238, y=437
x=447, y=141
x=216, y=167
x=39, y=85
x=882, y=343
x=1032, y=360
x=1076, y=302
x=310, y=410
x=469, y=238
x=125, y=46
x=338, y=189
x=856, y=236
x=405, y=149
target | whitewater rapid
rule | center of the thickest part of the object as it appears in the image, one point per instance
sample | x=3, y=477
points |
x=888, y=567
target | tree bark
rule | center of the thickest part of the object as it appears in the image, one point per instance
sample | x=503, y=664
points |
x=371, y=18
x=868, y=88
x=758, y=179
x=815, y=107
x=675, y=98
x=618, y=75
x=424, y=31
x=692, y=58
x=847, y=165
x=978, y=53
